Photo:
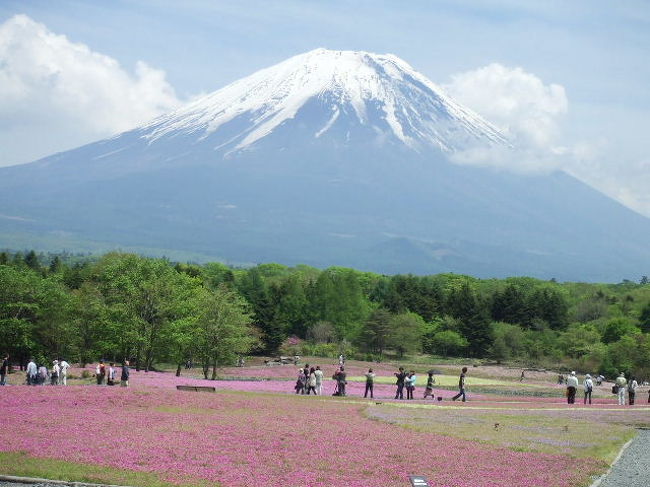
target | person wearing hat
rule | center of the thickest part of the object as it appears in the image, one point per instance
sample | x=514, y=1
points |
x=621, y=382
x=54, y=375
x=589, y=386
x=571, y=387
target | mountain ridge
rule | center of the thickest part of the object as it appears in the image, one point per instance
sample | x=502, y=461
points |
x=310, y=187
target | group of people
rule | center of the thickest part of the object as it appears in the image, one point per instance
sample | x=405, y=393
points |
x=40, y=375
x=102, y=373
x=620, y=387
x=310, y=379
x=406, y=380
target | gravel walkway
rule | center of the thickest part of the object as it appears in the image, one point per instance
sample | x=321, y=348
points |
x=633, y=468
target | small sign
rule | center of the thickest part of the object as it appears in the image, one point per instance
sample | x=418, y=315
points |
x=418, y=481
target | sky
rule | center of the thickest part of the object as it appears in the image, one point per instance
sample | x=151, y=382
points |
x=567, y=81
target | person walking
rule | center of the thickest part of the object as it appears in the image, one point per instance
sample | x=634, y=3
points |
x=428, y=390
x=63, y=366
x=126, y=372
x=370, y=383
x=319, y=380
x=311, y=381
x=54, y=375
x=571, y=387
x=588, y=385
x=620, y=383
x=31, y=372
x=401, y=376
x=631, y=390
x=461, y=385
x=4, y=370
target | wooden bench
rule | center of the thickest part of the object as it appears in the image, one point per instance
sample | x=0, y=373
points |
x=197, y=388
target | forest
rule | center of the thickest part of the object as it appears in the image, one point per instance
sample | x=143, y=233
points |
x=150, y=310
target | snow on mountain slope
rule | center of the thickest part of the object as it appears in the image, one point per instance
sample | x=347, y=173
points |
x=381, y=93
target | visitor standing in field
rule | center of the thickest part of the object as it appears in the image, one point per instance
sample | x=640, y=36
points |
x=589, y=387
x=401, y=376
x=311, y=382
x=341, y=381
x=63, y=366
x=124, y=378
x=370, y=383
x=621, y=382
x=301, y=382
x=461, y=385
x=410, y=385
x=631, y=390
x=428, y=390
x=54, y=375
x=110, y=379
x=4, y=369
x=43, y=374
x=100, y=372
x=32, y=372
x=571, y=388
x=319, y=380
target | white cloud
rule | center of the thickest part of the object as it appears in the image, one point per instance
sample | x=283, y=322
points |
x=57, y=94
x=519, y=103
x=530, y=113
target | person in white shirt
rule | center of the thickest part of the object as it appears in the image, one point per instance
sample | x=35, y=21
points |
x=621, y=382
x=32, y=372
x=631, y=390
x=63, y=377
x=571, y=387
x=589, y=386
x=54, y=376
x=319, y=380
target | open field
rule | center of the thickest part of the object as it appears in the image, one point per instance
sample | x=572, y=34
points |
x=256, y=432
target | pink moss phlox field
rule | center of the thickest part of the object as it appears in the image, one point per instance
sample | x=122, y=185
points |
x=354, y=389
x=241, y=440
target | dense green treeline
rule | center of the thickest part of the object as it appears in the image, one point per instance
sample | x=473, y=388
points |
x=151, y=310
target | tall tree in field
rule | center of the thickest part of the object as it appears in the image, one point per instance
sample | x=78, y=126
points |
x=464, y=304
x=144, y=296
x=377, y=331
x=256, y=292
x=224, y=327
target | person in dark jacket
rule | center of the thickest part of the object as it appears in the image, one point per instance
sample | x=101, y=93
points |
x=401, y=375
x=341, y=381
x=4, y=370
x=461, y=385
x=126, y=371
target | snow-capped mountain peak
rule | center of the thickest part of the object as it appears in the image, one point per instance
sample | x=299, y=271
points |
x=371, y=95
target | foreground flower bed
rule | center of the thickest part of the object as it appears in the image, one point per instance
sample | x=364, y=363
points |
x=242, y=439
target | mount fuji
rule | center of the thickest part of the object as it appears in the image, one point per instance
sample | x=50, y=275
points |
x=328, y=158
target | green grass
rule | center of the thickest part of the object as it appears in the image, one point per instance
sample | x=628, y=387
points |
x=519, y=430
x=21, y=465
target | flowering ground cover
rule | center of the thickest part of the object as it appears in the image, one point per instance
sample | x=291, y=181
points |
x=259, y=432
x=236, y=439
